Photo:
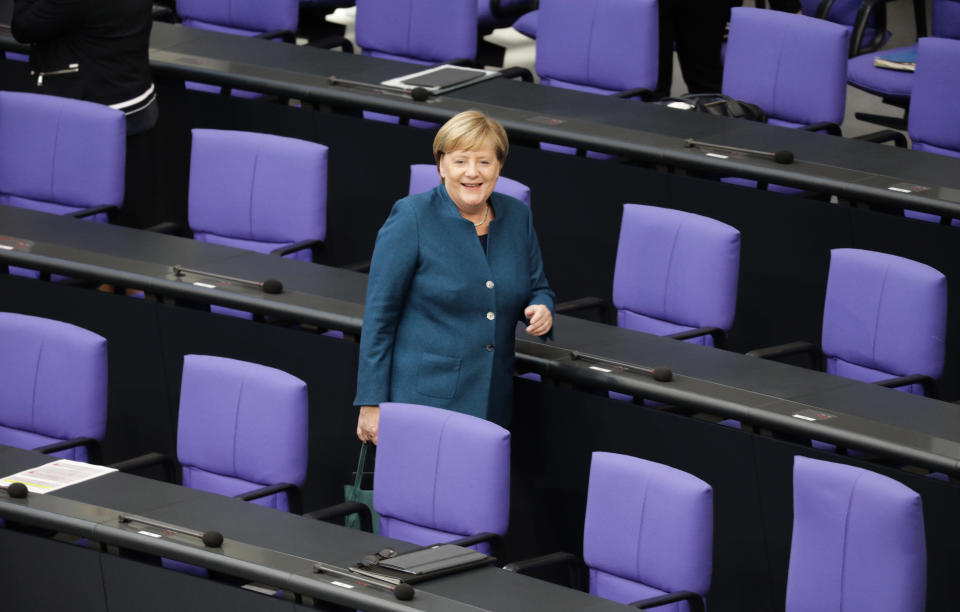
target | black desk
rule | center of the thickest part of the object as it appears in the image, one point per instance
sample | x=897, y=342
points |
x=260, y=544
x=555, y=427
x=648, y=132
x=895, y=425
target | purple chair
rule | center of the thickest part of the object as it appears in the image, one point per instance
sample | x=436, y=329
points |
x=800, y=77
x=259, y=192
x=606, y=47
x=884, y=322
x=441, y=476
x=858, y=541
x=242, y=431
x=418, y=31
x=270, y=19
x=422, y=32
x=61, y=156
x=895, y=86
x=53, y=382
x=647, y=535
x=279, y=206
x=866, y=21
x=676, y=274
x=424, y=177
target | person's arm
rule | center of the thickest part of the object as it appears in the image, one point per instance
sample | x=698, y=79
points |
x=391, y=271
x=539, y=310
x=37, y=21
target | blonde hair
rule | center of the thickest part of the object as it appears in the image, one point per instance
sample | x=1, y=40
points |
x=468, y=131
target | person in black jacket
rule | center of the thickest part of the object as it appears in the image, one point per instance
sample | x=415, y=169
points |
x=97, y=50
x=93, y=50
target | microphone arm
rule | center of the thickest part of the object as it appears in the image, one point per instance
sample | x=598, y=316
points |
x=659, y=373
x=781, y=156
x=269, y=286
x=210, y=539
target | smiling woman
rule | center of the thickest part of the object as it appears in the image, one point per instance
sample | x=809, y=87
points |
x=453, y=270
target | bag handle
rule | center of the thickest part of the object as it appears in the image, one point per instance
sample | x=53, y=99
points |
x=361, y=462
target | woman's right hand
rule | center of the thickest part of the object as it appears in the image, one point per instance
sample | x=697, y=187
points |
x=367, y=423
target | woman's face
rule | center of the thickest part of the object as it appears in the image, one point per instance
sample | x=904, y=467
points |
x=470, y=176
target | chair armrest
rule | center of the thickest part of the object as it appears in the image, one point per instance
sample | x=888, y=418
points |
x=144, y=461
x=719, y=335
x=92, y=444
x=867, y=7
x=929, y=384
x=637, y=92
x=585, y=303
x=476, y=538
x=517, y=71
x=896, y=137
x=696, y=602
x=791, y=348
x=286, y=36
x=164, y=13
x=823, y=126
x=569, y=560
x=110, y=209
x=294, y=499
x=297, y=246
x=166, y=227
x=332, y=42
x=342, y=510
x=514, y=10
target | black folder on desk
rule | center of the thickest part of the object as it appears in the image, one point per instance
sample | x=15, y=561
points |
x=424, y=564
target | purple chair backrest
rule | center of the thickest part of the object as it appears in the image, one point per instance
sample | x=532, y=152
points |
x=424, y=177
x=794, y=67
x=883, y=316
x=598, y=45
x=945, y=19
x=242, y=426
x=244, y=17
x=858, y=541
x=60, y=155
x=424, y=30
x=53, y=383
x=648, y=529
x=257, y=191
x=675, y=271
x=440, y=475
x=934, y=122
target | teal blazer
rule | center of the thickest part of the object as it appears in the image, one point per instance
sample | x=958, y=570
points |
x=440, y=315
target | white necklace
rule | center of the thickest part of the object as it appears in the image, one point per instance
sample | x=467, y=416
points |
x=486, y=213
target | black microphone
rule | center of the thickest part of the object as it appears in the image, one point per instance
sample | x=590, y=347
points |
x=781, y=156
x=658, y=373
x=419, y=94
x=16, y=490
x=210, y=539
x=270, y=285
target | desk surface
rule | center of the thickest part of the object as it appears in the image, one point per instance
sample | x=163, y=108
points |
x=279, y=542
x=649, y=132
x=897, y=425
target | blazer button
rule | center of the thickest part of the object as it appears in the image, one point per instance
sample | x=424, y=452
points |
x=490, y=347
x=489, y=284
x=491, y=316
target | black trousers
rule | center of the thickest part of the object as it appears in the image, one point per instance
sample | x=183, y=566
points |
x=695, y=29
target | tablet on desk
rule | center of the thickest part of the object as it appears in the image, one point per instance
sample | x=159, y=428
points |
x=441, y=78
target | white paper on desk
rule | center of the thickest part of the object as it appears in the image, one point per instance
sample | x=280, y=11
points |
x=56, y=475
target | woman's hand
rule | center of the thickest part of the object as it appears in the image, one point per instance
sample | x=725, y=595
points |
x=540, y=318
x=368, y=423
